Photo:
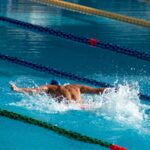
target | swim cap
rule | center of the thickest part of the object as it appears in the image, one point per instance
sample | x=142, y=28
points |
x=55, y=82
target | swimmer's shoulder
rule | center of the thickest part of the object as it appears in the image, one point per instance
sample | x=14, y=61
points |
x=52, y=87
x=72, y=86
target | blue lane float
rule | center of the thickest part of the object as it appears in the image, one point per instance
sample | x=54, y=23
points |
x=89, y=41
x=62, y=74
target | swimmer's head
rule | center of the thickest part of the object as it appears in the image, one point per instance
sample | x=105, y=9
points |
x=55, y=82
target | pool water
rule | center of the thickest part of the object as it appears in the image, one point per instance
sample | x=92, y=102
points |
x=120, y=118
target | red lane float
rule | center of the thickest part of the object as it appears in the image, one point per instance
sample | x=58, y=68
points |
x=116, y=147
x=92, y=42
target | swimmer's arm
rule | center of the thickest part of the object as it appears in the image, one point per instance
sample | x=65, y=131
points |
x=28, y=90
x=91, y=90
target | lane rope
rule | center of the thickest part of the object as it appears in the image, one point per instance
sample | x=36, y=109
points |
x=59, y=130
x=89, y=41
x=93, y=11
x=58, y=73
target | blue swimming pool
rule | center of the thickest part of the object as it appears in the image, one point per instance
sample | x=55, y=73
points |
x=120, y=118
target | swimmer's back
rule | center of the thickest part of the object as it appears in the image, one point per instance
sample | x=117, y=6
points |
x=70, y=91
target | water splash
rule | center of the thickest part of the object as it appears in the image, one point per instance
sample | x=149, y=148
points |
x=44, y=103
x=122, y=105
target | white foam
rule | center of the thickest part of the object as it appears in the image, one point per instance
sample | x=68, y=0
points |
x=44, y=103
x=122, y=106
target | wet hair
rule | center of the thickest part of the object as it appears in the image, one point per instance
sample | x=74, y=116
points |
x=55, y=82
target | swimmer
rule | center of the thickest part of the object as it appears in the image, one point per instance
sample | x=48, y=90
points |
x=70, y=92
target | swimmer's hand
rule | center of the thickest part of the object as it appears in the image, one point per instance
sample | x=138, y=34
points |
x=113, y=89
x=13, y=87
